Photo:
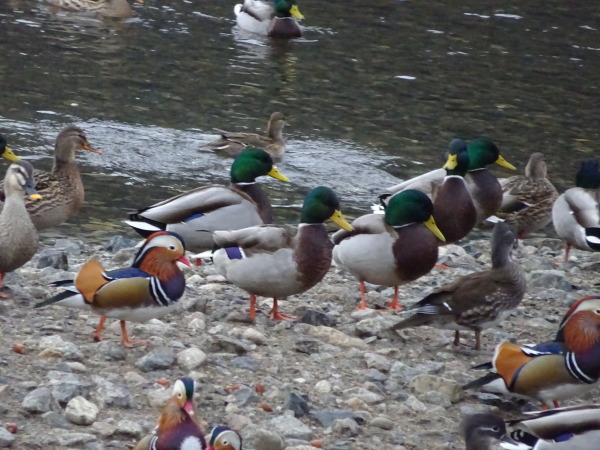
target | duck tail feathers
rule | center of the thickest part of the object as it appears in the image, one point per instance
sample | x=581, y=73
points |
x=145, y=228
x=592, y=237
x=70, y=298
x=483, y=381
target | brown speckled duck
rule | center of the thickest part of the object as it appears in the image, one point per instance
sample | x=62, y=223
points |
x=116, y=9
x=232, y=143
x=18, y=236
x=476, y=301
x=61, y=189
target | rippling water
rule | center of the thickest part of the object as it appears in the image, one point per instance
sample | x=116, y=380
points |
x=374, y=91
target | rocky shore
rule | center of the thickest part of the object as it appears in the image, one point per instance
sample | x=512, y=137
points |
x=336, y=378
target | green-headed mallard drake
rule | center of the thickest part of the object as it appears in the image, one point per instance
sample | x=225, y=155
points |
x=6, y=152
x=569, y=428
x=150, y=288
x=527, y=199
x=18, y=236
x=177, y=427
x=117, y=9
x=232, y=143
x=483, y=431
x=276, y=20
x=483, y=186
x=476, y=301
x=61, y=190
x=197, y=213
x=393, y=249
x=224, y=438
x=552, y=371
x=279, y=261
x=575, y=213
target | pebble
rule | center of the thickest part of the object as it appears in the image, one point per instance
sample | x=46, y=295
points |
x=81, y=411
x=290, y=427
x=38, y=401
x=191, y=358
x=7, y=439
x=157, y=359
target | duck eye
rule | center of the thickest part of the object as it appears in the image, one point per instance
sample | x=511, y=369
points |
x=171, y=247
x=225, y=442
x=180, y=395
x=496, y=428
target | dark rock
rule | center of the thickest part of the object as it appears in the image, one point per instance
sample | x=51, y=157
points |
x=297, y=403
x=308, y=346
x=246, y=363
x=317, y=318
x=56, y=259
x=326, y=418
x=117, y=243
x=245, y=395
x=158, y=359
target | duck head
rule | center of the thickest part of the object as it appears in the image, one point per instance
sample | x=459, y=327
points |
x=160, y=252
x=411, y=206
x=580, y=328
x=224, y=438
x=483, y=152
x=19, y=178
x=588, y=175
x=253, y=163
x=6, y=152
x=287, y=8
x=321, y=204
x=68, y=141
x=458, y=158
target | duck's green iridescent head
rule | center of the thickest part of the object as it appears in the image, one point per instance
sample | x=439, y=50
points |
x=458, y=158
x=321, y=204
x=6, y=152
x=483, y=152
x=287, y=8
x=253, y=163
x=588, y=175
x=411, y=206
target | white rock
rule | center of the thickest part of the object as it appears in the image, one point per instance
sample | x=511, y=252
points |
x=323, y=387
x=191, y=358
x=81, y=411
x=254, y=336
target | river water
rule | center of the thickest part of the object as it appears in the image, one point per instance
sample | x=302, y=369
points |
x=374, y=92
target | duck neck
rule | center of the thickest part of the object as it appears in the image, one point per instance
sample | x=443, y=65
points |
x=313, y=253
x=276, y=132
x=256, y=193
x=501, y=257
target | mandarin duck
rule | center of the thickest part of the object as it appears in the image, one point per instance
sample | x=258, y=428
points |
x=197, y=213
x=6, y=152
x=566, y=367
x=232, y=143
x=483, y=431
x=149, y=289
x=277, y=261
x=476, y=301
x=575, y=213
x=177, y=427
x=224, y=438
x=18, y=236
x=61, y=190
x=393, y=249
x=117, y=9
x=527, y=199
x=570, y=428
x=277, y=20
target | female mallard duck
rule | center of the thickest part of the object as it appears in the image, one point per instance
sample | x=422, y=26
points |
x=527, y=199
x=6, y=152
x=233, y=143
x=196, y=214
x=117, y=9
x=277, y=20
x=280, y=261
x=177, y=427
x=18, y=236
x=476, y=301
x=391, y=250
x=575, y=213
x=61, y=189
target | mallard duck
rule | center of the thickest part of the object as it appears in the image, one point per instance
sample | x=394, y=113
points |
x=476, y=301
x=483, y=431
x=117, y=9
x=18, y=236
x=61, y=190
x=570, y=428
x=575, y=213
x=177, y=427
x=279, y=261
x=197, y=213
x=233, y=143
x=6, y=152
x=277, y=20
x=149, y=289
x=527, y=199
x=224, y=438
x=390, y=250
x=557, y=370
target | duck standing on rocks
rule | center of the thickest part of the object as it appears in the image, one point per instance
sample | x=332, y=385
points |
x=527, y=199
x=116, y=9
x=6, y=152
x=575, y=213
x=197, y=213
x=483, y=431
x=277, y=20
x=571, y=428
x=18, y=236
x=232, y=143
x=476, y=301
x=393, y=249
x=277, y=261
x=224, y=438
x=149, y=289
x=61, y=189
x=567, y=367
x=177, y=427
